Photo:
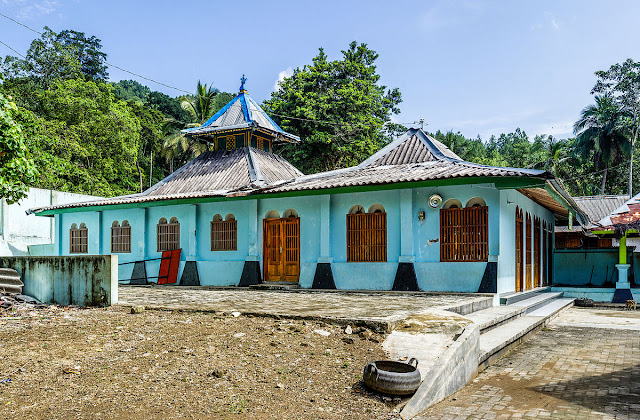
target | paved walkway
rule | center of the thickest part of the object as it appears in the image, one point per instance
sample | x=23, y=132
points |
x=574, y=369
x=374, y=306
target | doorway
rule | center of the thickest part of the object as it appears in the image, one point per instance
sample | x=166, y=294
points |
x=281, y=249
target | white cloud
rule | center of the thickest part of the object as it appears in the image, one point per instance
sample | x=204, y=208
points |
x=550, y=21
x=281, y=76
x=27, y=9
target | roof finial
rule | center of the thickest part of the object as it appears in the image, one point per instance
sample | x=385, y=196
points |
x=243, y=80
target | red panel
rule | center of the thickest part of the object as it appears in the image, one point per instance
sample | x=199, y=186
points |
x=173, y=266
x=163, y=275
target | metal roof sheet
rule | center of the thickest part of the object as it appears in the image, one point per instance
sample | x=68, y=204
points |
x=241, y=111
x=600, y=206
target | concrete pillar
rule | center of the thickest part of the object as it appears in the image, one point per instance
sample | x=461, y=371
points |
x=252, y=223
x=100, y=233
x=143, y=243
x=192, y=227
x=325, y=229
x=251, y=270
x=622, y=266
x=323, y=277
x=406, y=226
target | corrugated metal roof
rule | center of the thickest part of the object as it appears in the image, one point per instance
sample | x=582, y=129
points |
x=409, y=172
x=600, y=206
x=412, y=147
x=241, y=111
x=623, y=209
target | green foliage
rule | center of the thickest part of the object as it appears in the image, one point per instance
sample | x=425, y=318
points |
x=67, y=55
x=17, y=170
x=337, y=108
x=130, y=90
x=602, y=132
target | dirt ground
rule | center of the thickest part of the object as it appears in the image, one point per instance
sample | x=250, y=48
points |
x=108, y=363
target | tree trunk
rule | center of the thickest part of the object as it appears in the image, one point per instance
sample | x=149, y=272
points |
x=633, y=142
x=604, y=180
x=139, y=173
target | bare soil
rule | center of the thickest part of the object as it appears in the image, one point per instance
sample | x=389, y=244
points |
x=108, y=363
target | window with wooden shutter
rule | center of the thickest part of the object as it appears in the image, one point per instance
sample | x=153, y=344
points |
x=367, y=237
x=224, y=233
x=78, y=239
x=120, y=237
x=464, y=234
x=168, y=234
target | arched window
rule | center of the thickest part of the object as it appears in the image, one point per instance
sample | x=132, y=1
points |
x=452, y=203
x=476, y=202
x=224, y=233
x=272, y=214
x=367, y=234
x=78, y=239
x=289, y=213
x=464, y=232
x=168, y=234
x=357, y=209
x=120, y=237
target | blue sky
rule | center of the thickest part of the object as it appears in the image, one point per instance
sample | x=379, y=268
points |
x=479, y=67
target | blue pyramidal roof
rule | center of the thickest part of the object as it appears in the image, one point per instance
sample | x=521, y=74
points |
x=241, y=112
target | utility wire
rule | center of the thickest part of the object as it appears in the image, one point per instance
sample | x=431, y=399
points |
x=6, y=45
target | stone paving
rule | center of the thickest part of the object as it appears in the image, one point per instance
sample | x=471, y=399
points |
x=587, y=372
x=374, y=306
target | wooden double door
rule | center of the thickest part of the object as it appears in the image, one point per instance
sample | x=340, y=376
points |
x=281, y=249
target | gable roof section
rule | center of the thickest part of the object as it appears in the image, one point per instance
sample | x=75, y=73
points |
x=600, y=206
x=412, y=147
x=627, y=213
x=241, y=112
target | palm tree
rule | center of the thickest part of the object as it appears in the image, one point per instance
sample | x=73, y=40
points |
x=200, y=108
x=602, y=130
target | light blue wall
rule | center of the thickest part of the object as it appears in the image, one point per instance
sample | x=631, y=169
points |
x=585, y=267
x=323, y=236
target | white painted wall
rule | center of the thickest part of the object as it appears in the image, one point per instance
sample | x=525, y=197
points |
x=19, y=230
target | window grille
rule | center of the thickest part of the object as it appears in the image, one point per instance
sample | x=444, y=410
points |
x=464, y=234
x=168, y=235
x=231, y=142
x=367, y=237
x=224, y=235
x=120, y=237
x=78, y=239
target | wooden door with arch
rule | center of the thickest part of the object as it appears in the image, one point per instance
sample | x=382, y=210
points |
x=281, y=249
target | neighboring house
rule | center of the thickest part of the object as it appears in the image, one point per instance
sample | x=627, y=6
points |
x=414, y=216
x=20, y=233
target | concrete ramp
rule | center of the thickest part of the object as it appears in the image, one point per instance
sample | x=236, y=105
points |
x=10, y=281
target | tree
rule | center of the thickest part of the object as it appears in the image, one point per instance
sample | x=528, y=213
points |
x=622, y=82
x=67, y=55
x=88, y=53
x=338, y=109
x=601, y=132
x=17, y=170
x=130, y=90
x=199, y=108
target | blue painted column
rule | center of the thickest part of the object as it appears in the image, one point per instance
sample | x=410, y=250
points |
x=100, y=233
x=58, y=238
x=325, y=229
x=192, y=215
x=252, y=224
x=406, y=226
x=143, y=244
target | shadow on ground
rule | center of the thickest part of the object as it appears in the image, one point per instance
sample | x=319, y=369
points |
x=615, y=392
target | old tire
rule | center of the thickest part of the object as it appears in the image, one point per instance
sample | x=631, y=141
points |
x=394, y=378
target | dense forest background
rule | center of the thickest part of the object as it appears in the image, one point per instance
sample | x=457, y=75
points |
x=79, y=132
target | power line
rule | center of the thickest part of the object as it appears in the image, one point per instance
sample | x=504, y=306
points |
x=6, y=45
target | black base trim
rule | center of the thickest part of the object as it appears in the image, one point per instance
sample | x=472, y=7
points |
x=406, y=279
x=323, y=278
x=190, y=274
x=622, y=295
x=250, y=274
x=489, y=283
x=139, y=274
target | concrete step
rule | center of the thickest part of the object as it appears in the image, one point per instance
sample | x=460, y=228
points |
x=513, y=297
x=536, y=301
x=497, y=341
x=493, y=317
x=10, y=281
